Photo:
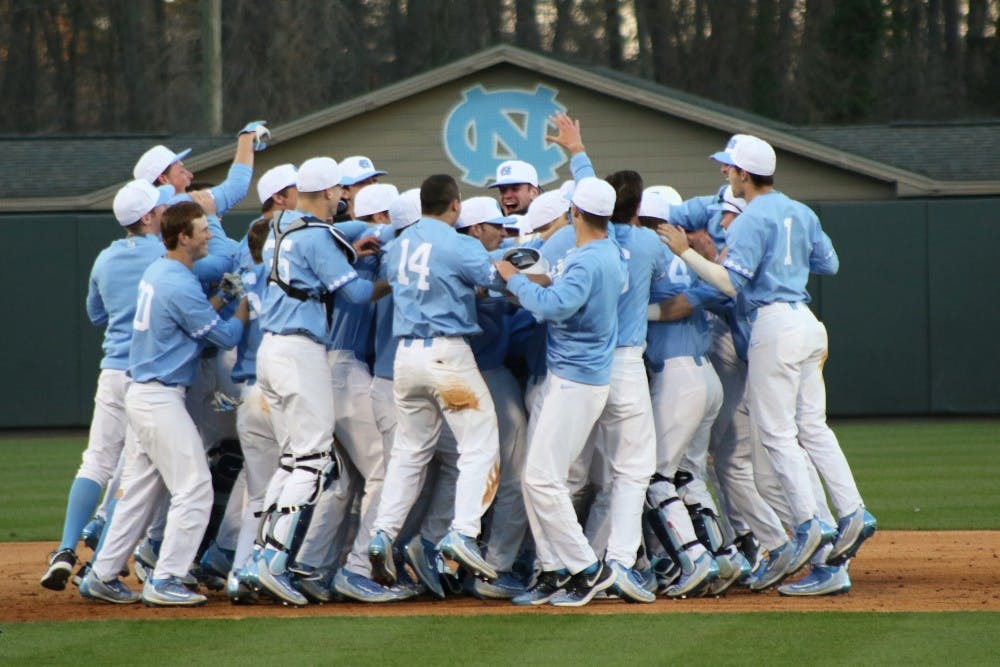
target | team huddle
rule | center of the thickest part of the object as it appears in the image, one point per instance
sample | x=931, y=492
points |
x=544, y=397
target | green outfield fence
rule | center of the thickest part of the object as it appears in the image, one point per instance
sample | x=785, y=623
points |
x=911, y=316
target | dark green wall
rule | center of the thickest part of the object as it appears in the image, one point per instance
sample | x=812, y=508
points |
x=911, y=315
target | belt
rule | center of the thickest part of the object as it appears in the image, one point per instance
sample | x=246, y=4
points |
x=408, y=341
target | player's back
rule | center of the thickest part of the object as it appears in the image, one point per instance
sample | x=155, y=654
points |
x=774, y=244
x=114, y=283
x=645, y=262
x=434, y=271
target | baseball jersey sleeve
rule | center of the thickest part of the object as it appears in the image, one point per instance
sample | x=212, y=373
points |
x=474, y=264
x=231, y=191
x=581, y=167
x=693, y=214
x=558, y=302
x=327, y=260
x=96, y=311
x=746, y=247
x=196, y=316
x=823, y=259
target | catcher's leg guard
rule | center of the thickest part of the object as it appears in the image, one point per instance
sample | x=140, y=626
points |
x=666, y=518
x=706, y=527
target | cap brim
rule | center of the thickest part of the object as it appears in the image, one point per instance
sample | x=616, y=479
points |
x=166, y=193
x=180, y=156
x=722, y=157
x=354, y=180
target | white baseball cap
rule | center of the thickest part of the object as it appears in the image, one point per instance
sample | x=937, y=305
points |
x=136, y=199
x=657, y=200
x=545, y=208
x=731, y=202
x=513, y=172
x=479, y=209
x=317, y=174
x=595, y=196
x=749, y=153
x=357, y=168
x=274, y=180
x=405, y=209
x=155, y=161
x=374, y=198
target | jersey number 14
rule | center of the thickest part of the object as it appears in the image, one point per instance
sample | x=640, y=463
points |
x=416, y=263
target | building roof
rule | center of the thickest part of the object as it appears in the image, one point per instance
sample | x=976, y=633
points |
x=945, y=159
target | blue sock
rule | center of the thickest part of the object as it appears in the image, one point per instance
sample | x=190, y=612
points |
x=83, y=498
x=107, y=525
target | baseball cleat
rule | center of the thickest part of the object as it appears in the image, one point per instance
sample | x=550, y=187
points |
x=808, y=538
x=59, y=570
x=733, y=568
x=114, y=591
x=506, y=587
x=381, y=557
x=584, y=585
x=773, y=568
x=238, y=590
x=279, y=585
x=362, y=589
x=170, y=592
x=822, y=580
x=750, y=548
x=311, y=582
x=628, y=584
x=421, y=556
x=464, y=550
x=852, y=531
x=547, y=586
x=146, y=553
x=216, y=561
x=696, y=581
x=91, y=533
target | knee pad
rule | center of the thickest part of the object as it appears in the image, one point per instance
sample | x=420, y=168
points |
x=661, y=501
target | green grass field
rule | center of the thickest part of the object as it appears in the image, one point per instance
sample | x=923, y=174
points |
x=930, y=475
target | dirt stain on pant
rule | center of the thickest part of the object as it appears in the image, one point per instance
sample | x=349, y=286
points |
x=458, y=398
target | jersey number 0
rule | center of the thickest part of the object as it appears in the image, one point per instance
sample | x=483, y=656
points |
x=417, y=263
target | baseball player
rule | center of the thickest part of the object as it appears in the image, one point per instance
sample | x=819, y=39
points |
x=173, y=320
x=358, y=172
x=581, y=310
x=517, y=186
x=111, y=297
x=434, y=272
x=309, y=262
x=771, y=249
x=624, y=437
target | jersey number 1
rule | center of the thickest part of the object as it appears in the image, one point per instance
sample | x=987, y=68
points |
x=415, y=263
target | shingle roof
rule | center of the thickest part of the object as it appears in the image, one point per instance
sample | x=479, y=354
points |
x=79, y=165
x=943, y=151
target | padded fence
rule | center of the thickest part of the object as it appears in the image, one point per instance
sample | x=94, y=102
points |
x=911, y=315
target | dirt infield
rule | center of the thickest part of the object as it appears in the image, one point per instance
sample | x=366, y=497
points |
x=897, y=571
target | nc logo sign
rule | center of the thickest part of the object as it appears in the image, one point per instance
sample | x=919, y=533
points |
x=489, y=127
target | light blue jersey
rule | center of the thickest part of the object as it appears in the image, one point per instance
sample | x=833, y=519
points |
x=227, y=194
x=434, y=271
x=385, y=343
x=646, y=263
x=114, y=284
x=352, y=325
x=691, y=336
x=254, y=278
x=773, y=247
x=581, y=307
x=223, y=257
x=173, y=322
x=703, y=212
x=309, y=260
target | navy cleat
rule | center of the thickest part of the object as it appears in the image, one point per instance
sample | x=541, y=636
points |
x=381, y=557
x=311, y=582
x=547, y=586
x=584, y=585
x=852, y=531
x=464, y=550
x=822, y=580
x=59, y=570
